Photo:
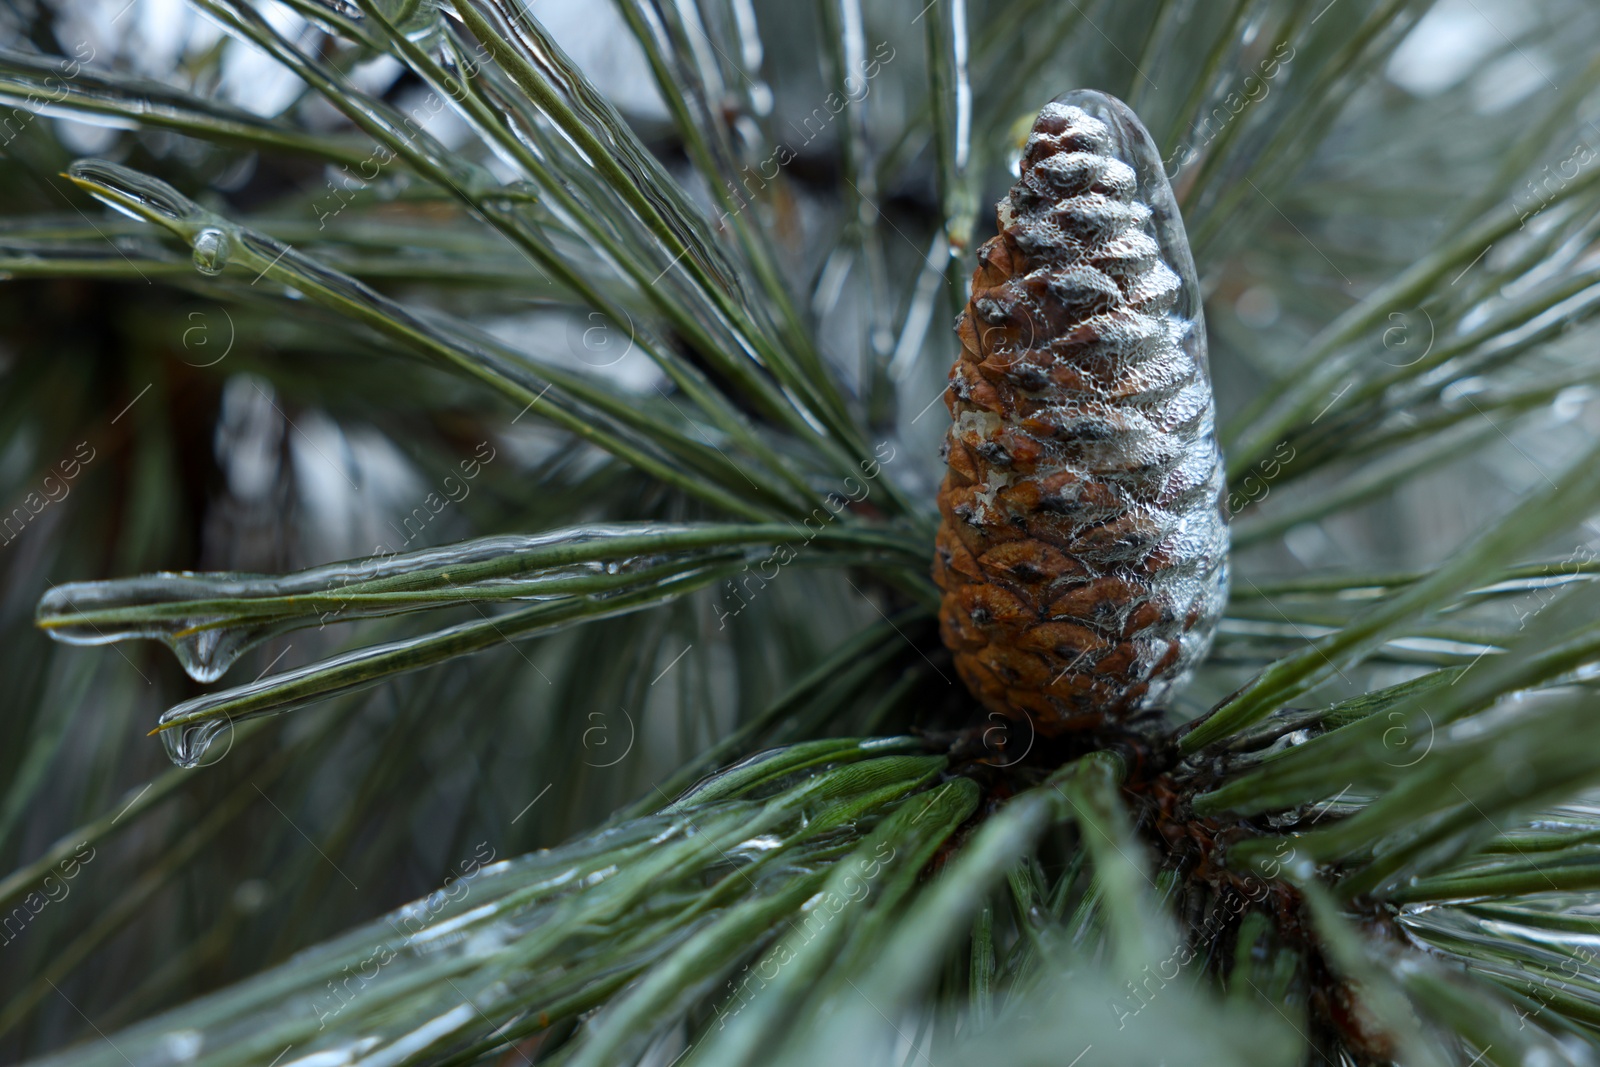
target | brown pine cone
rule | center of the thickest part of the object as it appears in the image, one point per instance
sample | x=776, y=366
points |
x=1082, y=550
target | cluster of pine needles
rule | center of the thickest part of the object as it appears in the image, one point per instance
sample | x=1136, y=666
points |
x=625, y=733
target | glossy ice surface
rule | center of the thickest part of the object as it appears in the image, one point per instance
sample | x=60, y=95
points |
x=1083, y=550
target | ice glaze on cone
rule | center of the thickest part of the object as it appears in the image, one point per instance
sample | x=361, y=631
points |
x=1082, y=549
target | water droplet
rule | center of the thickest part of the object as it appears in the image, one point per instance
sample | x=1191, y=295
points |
x=210, y=251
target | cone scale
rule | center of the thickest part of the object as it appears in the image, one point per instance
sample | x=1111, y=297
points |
x=1082, y=549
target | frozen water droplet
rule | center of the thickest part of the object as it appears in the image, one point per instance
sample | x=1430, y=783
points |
x=187, y=745
x=210, y=251
x=209, y=620
x=342, y=8
x=135, y=195
x=85, y=613
x=206, y=654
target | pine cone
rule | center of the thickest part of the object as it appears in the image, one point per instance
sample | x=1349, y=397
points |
x=1083, y=549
